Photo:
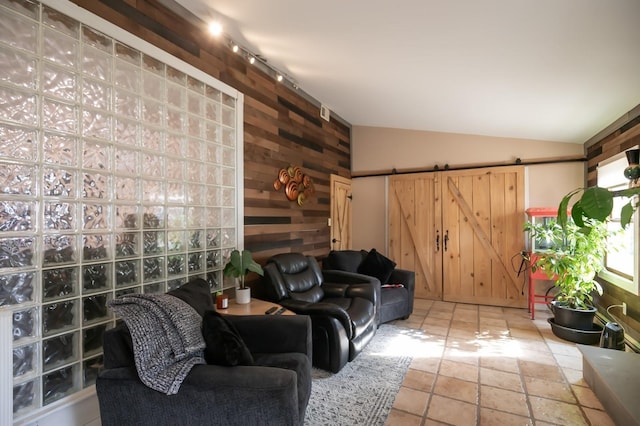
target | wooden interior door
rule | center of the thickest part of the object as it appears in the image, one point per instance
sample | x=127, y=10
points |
x=482, y=219
x=415, y=238
x=340, y=213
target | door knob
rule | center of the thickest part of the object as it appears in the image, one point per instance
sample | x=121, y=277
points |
x=335, y=241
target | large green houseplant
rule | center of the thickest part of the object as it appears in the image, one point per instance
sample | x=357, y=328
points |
x=238, y=266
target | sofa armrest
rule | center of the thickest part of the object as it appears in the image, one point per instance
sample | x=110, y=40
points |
x=408, y=279
x=274, y=334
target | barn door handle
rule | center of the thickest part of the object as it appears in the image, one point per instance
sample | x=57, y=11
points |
x=437, y=240
x=446, y=240
x=335, y=241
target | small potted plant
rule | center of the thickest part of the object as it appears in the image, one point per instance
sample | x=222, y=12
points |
x=238, y=266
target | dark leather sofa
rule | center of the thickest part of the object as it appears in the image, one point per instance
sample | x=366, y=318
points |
x=395, y=302
x=343, y=306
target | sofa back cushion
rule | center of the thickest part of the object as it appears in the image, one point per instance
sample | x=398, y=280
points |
x=344, y=260
x=295, y=276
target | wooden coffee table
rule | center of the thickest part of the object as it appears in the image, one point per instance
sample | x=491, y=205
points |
x=255, y=307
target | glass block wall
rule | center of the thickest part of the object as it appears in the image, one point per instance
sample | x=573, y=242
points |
x=118, y=174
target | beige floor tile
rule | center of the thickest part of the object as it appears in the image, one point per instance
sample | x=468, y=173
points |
x=556, y=412
x=459, y=370
x=549, y=389
x=400, y=418
x=597, y=417
x=541, y=371
x=430, y=422
x=574, y=377
x=419, y=380
x=411, y=401
x=456, y=389
x=489, y=417
x=466, y=307
x=494, y=323
x=568, y=361
x=504, y=400
x=429, y=365
x=451, y=411
x=500, y=363
x=587, y=398
x=435, y=329
x=564, y=349
x=501, y=379
x=465, y=316
x=446, y=315
x=463, y=352
x=425, y=304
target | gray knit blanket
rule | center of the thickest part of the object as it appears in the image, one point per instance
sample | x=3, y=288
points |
x=167, y=338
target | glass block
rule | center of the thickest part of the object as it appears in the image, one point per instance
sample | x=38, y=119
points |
x=153, y=65
x=214, y=153
x=214, y=279
x=214, y=195
x=176, y=95
x=195, y=171
x=153, y=288
x=17, y=252
x=59, y=249
x=176, y=264
x=212, y=93
x=61, y=22
x=212, y=132
x=127, y=104
x=195, y=85
x=152, y=112
x=196, y=239
x=213, y=238
x=214, y=217
x=128, y=54
x=127, y=217
x=94, y=307
x=59, y=116
x=195, y=217
x=60, y=383
x=19, y=69
x=195, y=194
x=195, y=261
x=229, y=101
x=95, y=216
x=59, y=82
x=153, y=217
x=25, y=360
x=229, y=137
x=25, y=396
x=59, y=316
x=176, y=241
x=228, y=197
x=60, y=149
x=125, y=291
x=16, y=216
x=174, y=168
x=174, y=144
x=228, y=116
x=194, y=126
x=214, y=259
x=95, y=63
x=176, y=76
x=59, y=350
x=126, y=188
x=153, y=191
x=152, y=139
x=92, y=340
x=127, y=272
x=60, y=48
x=96, y=94
x=96, y=277
x=194, y=149
x=25, y=323
x=19, y=32
x=212, y=111
x=127, y=244
x=152, y=85
x=127, y=76
x=96, y=124
x=229, y=157
x=152, y=165
x=126, y=161
x=95, y=185
x=90, y=37
x=214, y=174
x=228, y=177
x=17, y=288
x=18, y=143
x=228, y=237
x=175, y=192
x=176, y=217
x=91, y=368
x=195, y=103
x=59, y=216
x=17, y=179
x=59, y=283
x=175, y=120
x=153, y=268
x=58, y=183
x=18, y=106
x=96, y=247
x=152, y=242
x=229, y=217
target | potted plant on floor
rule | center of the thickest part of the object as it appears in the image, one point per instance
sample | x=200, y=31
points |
x=238, y=266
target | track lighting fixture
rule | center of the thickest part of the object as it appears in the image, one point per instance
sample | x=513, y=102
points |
x=215, y=28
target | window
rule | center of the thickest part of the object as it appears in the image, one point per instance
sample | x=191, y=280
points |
x=621, y=261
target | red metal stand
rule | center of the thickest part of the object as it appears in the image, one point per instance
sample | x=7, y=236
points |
x=533, y=297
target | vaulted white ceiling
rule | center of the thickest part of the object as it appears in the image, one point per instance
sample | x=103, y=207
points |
x=559, y=70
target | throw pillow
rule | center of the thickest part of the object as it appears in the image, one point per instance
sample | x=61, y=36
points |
x=196, y=293
x=377, y=265
x=224, y=345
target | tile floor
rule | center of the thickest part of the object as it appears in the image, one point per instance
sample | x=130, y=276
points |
x=485, y=365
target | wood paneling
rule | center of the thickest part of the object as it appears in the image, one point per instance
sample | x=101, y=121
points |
x=281, y=128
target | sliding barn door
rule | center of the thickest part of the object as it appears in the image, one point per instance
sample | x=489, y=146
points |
x=340, y=213
x=415, y=238
x=482, y=219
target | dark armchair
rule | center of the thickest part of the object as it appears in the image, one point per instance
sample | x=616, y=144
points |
x=273, y=391
x=343, y=306
x=396, y=302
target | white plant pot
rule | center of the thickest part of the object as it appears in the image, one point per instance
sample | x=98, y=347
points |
x=243, y=296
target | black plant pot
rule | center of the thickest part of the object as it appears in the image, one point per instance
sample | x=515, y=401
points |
x=586, y=337
x=578, y=319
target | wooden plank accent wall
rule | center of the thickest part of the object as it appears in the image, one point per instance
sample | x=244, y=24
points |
x=618, y=141
x=281, y=128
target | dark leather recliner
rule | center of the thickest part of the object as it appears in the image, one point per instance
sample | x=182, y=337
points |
x=343, y=306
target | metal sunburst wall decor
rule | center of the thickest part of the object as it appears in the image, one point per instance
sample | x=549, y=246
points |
x=297, y=185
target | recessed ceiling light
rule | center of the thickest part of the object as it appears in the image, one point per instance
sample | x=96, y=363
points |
x=215, y=28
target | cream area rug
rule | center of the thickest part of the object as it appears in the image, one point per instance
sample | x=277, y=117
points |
x=363, y=392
